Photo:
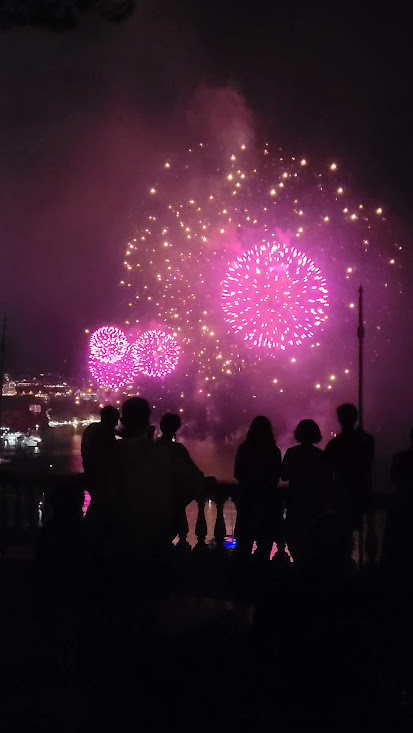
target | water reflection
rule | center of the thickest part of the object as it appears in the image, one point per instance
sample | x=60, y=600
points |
x=214, y=459
x=59, y=452
x=230, y=515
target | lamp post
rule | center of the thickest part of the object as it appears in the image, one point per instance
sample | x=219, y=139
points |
x=360, y=336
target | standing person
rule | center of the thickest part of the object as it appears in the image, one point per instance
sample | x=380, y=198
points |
x=147, y=487
x=170, y=424
x=257, y=470
x=98, y=444
x=98, y=440
x=309, y=486
x=153, y=486
x=350, y=455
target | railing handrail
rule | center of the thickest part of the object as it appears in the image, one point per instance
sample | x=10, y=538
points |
x=212, y=485
x=21, y=492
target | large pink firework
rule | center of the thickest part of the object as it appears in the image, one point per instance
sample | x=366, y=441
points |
x=274, y=296
x=155, y=354
x=108, y=344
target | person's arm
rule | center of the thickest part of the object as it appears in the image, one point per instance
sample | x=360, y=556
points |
x=330, y=456
x=329, y=474
x=285, y=466
x=277, y=464
x=189, y=480
x=328, y=452
x=326, y=482
x=238, y=468
x=186, y=457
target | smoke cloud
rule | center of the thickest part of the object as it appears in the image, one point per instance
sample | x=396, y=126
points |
x=222, y=116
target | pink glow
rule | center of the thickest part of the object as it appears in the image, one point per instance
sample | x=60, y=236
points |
x=155, y=354
x=274, y=296
x=86, y=502
x=113, y=376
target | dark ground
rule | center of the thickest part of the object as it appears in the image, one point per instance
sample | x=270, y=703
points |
x=246, y=649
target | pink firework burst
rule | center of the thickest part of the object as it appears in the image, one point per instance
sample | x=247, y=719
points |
x=274, y=296
x=155, y=354
x=113, y=375
x=108, y=344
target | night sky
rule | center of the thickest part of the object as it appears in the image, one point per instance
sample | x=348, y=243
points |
x=88, y=113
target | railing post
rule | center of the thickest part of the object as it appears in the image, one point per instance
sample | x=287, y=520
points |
x=33, y=508
x=201, y=525
x=220, y=529
x=182, y=532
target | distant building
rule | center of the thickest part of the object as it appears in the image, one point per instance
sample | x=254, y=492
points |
x=47, y=386
x=9, y=386
x=44, y=386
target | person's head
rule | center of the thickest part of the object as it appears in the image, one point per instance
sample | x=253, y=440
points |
x=109, y=416
x=135, y=416
x=260, y=432
x=170, y=424
x=347, y=415
x=307, y=432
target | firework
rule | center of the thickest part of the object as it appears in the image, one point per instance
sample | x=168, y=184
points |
x=213, y=214
x=110, y=361
x=113, y=375
x=108, y=345
x=155, y=354
x=274, y=296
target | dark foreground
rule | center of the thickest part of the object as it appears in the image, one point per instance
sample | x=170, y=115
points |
x=254, y=649
x=215, y=643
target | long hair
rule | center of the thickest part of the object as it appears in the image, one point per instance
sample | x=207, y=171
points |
x=260, y=434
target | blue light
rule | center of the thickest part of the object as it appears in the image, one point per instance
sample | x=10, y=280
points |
x=230, y=542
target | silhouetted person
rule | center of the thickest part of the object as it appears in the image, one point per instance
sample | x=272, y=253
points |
x=97, y=442
x=350, y=455
x=153, y=486
x=309, y=486
x=257, y=470
x=170, y=424
x=397, y=550
x=60, y=545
